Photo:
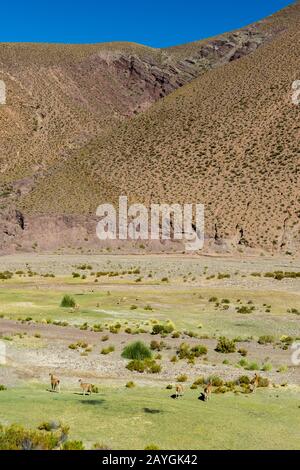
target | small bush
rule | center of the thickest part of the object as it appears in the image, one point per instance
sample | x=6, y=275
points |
x=148, y=365
x=73, y=445
x=68, y=302
x=199, y=381
x=182, y=378
x=215, y=381
x=243, y=352
x=199, y=350
x=137, y=351
x=130, y=384
x=243, y=379
x=267, y=367
x=225, y=345
x=100, y=446
x=263, y=382
x=266, y=339
x=253, y=366
x=136, y=365
x=151, y=447
x=107, y=350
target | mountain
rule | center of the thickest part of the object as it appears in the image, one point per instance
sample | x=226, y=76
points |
x=210, y=122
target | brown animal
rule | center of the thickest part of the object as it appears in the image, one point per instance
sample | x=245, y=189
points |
x=254, y=382
x=86, y=388
x=207, y=391
x=55, y=383
x=179, y=390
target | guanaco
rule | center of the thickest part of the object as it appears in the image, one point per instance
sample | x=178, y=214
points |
x=55, y=383
x=179, y=390
x=254, y=382
x=86, y=388
x=207, y=391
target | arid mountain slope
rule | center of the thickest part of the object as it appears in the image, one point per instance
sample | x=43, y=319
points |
x=61, y=96
x=228, y=139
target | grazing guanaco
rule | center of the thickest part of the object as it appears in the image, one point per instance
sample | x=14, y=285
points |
x=86, y=388
x=179, y=390
x=55, y=383
x=254, y=382
x=207, y=391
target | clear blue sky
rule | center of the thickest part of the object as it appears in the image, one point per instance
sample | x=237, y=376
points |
x=154, y=23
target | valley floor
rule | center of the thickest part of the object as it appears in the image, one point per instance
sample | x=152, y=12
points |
x=119, y=300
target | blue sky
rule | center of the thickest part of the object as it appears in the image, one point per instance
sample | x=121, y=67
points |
x=154, y=23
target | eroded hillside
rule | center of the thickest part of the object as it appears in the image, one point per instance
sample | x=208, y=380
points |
x=82, y=129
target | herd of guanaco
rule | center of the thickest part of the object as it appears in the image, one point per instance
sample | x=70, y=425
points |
x=87, y=388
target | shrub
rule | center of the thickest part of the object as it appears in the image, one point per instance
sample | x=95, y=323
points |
x=199, y=350
x=148, y=365
x=243, y=352
x=165, y=328
x=2, y=388
x=263, y=382
x=136, y=365
x=244, y=309
x=107, y=350
x=73, y=445
x=157, y=329
x=243, y=379
x=199, y=381
x=137, y=351
x=100, y=446
x=151, y=447
x=169, y=387
x=17, y=437
x=225, y=345
x=266, y=339
x=49, y=426
x=130, y=384
x=267, y=367
x=243, y=363
x=182, y=378
x=253, y=366
x=282, y=369
x=215, y=381
x=68, y=301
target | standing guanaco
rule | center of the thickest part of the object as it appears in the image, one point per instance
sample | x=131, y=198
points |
x=55, y=383
x=179, y=390
x=86, y=388
x=207, y=391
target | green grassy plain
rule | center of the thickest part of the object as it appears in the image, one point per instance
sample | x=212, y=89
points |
x=187, y=306
x=134, y=418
